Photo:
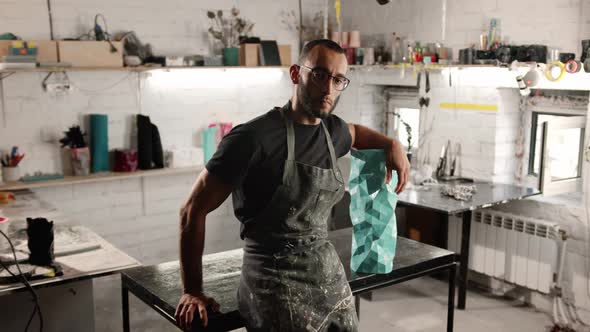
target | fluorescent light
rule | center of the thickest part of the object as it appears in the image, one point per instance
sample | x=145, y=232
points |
x=215, y=77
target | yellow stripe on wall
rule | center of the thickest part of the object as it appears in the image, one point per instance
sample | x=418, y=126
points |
x=473, y=107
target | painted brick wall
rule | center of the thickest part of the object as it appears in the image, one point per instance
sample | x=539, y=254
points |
x=561, y=23
x=134, y=212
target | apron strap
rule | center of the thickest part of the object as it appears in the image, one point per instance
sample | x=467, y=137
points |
x=291, y=147
x=288, y=171
x=333, y=160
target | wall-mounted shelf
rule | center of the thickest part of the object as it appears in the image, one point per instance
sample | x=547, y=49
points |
x=99, y=177
x=148, y=68
x=481, y=76
x=132, y=69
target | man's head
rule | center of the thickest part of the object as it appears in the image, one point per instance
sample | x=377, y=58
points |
x=319, y=77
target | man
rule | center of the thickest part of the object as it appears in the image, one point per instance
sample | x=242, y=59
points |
x=281, y=168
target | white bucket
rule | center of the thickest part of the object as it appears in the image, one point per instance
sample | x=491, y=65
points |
x=4, y=246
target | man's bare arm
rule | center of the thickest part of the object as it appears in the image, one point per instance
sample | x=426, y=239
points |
x=207, y=194
x=366, y=138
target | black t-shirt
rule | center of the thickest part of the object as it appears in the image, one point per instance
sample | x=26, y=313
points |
x=251, y=157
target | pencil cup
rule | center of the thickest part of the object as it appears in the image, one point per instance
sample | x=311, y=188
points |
x=10, y=174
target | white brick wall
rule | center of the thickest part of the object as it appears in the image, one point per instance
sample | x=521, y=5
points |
x=180, y=112
x=561, y=23
x=176, y=27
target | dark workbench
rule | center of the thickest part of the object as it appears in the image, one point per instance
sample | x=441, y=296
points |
x=159, y=286
x=488, y=194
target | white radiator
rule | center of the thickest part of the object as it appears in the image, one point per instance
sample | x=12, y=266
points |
x=516, y=249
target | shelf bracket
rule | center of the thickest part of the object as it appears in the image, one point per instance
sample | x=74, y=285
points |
x=44, y=82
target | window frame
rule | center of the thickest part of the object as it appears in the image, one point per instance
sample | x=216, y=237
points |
x=574, y=184
x=401, y=97
x=533, y=138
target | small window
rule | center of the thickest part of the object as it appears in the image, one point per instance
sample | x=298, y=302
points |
x=405, y=126
x=402, y=115
x=557, y=145
x=566, y=147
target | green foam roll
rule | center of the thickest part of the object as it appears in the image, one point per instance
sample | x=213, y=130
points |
x=99, y=142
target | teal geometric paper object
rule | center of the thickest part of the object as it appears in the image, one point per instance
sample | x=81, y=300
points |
x=372, y=211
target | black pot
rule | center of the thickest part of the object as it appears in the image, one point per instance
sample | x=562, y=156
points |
x=466, y=56
x=504, y=54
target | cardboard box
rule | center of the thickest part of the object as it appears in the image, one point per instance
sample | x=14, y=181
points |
x=249, y=55
x=4, y=45
x=90, y=53
x=285, y=54
x=46, y=49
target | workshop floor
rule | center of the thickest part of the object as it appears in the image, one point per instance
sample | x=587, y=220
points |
x=416, y=305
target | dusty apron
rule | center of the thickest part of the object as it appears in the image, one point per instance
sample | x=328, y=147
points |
x=292, y=278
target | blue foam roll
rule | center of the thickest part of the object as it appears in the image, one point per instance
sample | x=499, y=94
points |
x=99, y=142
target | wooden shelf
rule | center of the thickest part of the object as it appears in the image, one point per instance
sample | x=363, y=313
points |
x=147, y=68
x=98, y=177
x=131, y=69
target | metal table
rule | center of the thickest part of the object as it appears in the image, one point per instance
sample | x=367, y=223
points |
x=159, y=286
x=82, y=254
x=487, y=195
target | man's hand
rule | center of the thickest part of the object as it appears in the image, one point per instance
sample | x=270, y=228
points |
x=188, y=304
x=396, y=159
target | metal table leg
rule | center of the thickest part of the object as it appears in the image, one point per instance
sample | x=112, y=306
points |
x=451, y=301
x=464, y=259
x=357, y=306
x=125, y=299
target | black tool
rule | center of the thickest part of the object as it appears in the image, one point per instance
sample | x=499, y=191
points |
x=40, y=242
x=565, y=57
x=424, y=101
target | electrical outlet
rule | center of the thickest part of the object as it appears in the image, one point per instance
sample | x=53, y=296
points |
x=57, y=87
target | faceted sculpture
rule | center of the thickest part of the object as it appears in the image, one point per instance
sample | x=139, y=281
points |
x=372, y=211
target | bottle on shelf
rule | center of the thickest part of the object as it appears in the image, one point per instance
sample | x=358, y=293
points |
x=418, y=53
x=396, y=49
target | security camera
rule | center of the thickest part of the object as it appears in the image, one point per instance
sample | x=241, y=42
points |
x=383, y=2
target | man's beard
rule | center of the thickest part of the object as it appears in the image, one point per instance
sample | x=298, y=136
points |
x=306, y=103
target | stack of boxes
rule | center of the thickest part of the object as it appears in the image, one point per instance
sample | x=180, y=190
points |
x=19, y=55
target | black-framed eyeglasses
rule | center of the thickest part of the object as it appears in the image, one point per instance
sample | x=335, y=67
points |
x=321, y=76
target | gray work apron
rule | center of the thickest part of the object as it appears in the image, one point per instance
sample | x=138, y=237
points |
x=292, y=278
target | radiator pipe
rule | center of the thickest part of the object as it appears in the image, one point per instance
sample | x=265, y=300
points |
x=558, y=300
x=562, y=257
x=562, y=312
x=555, y=317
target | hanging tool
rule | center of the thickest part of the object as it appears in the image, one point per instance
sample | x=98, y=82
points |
x=426, y=72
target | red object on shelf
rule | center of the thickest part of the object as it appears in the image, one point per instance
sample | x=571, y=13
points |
x=125, y=160
x=350, y=55
x=418, y=57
